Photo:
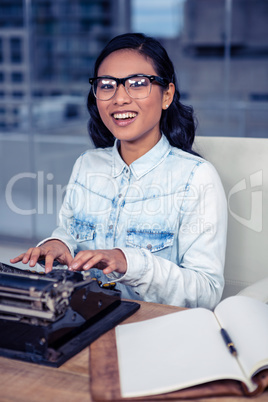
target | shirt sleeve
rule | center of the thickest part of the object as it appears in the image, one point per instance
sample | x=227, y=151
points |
x=196, y=280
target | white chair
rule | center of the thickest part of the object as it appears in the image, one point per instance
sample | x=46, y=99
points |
x=242, y=164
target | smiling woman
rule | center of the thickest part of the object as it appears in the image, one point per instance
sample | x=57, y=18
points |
x=141, y=209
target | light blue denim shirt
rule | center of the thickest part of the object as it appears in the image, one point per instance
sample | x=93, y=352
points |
x=166, y=212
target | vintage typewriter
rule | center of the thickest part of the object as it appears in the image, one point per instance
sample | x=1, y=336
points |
x=48, y=318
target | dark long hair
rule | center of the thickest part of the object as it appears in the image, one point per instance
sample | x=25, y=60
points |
x=177, y=122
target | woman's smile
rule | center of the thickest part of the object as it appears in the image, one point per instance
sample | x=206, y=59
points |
x=124, y=118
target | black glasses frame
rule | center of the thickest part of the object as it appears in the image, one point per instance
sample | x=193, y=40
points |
x=162, y=81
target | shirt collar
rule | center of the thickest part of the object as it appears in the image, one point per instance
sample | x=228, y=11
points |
x=118, y=164
x=145, y=163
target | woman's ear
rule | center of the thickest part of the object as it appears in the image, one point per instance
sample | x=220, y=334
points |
x=168, y=95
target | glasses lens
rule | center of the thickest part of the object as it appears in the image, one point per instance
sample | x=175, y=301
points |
x=104, y=88
x=138, y=87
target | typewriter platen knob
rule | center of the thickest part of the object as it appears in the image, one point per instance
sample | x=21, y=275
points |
x=109, y=285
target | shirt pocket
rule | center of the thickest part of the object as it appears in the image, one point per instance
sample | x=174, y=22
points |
x=82, y=231
x=152, y=240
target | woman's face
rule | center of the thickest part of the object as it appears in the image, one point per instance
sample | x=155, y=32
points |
x=141, y=120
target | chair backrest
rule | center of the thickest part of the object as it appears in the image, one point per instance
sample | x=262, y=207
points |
x=242, y=164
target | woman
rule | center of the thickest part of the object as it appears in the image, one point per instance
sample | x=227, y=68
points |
x=141, y=209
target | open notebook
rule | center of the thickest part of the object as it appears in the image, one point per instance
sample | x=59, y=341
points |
x=186, y=348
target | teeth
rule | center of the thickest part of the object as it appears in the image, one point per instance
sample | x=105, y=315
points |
x=128, y=115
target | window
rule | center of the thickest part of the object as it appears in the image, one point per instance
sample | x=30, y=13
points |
x=1, y=50
x=16, y=77
x=17, y=94
x=13, y=12
x=16, y=50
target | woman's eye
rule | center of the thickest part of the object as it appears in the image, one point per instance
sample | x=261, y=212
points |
x=138, y=83
x=107, y=87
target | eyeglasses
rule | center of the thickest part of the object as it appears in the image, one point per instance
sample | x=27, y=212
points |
x=137, y=86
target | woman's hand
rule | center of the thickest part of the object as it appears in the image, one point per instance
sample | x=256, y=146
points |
x=106, y=260
x=49, y=251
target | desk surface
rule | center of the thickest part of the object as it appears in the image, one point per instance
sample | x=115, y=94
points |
x=21, y=381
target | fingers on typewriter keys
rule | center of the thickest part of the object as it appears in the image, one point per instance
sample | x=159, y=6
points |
x=105, y=260
x=46, y=254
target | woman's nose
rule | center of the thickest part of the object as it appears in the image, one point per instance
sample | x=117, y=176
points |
x=121, y=95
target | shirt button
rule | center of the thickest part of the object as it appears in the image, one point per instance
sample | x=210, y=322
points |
x=119, y=195
x=126, y=170
x=111, y=226
x=149, y=246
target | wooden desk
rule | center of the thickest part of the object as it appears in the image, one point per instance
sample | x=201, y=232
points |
x=27, y=382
